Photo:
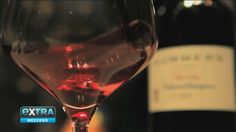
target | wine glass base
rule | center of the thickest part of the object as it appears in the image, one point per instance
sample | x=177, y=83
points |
x=80, y=126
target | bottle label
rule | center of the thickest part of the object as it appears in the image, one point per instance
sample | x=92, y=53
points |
x=194, y=77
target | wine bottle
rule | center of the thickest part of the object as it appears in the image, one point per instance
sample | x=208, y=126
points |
x=191, y=79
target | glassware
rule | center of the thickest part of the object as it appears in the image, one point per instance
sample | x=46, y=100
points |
x=80, y=51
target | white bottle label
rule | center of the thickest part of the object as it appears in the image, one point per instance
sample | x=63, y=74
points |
x=194, y=77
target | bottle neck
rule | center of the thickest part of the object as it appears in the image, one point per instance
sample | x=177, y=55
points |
x=195, y=24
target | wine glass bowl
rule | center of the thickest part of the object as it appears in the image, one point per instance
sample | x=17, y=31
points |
x=79, y=51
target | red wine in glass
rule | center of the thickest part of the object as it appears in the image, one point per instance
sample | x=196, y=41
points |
x=80, y=51
x=81, y=75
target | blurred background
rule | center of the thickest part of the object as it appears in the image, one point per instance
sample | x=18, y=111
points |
x=124, y=111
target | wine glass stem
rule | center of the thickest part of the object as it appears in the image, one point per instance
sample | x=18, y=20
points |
x=80, y=126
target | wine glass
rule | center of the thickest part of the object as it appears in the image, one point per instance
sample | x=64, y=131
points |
x=80, y=51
